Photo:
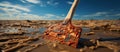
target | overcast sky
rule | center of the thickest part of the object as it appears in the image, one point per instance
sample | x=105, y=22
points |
x=57, y=9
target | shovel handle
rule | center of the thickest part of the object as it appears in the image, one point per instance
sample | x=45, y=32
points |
x=71, y=12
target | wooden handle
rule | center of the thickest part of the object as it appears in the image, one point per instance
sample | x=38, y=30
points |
x=71, y=12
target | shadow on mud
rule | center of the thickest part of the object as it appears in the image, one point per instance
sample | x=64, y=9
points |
x=87, y=42
x=109, y=39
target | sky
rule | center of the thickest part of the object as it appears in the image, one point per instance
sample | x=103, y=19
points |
x=58, y=9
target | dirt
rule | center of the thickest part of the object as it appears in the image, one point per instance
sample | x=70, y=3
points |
x=26, y=36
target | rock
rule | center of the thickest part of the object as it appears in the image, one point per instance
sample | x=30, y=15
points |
x=54, y=45
x=114, y=29
x=94, y=41
x=113, y=26
x=92, y=47
x=84, y=49
x=90, y=33
x=81, y=50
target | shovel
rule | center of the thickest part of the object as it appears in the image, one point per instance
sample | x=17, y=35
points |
x=65, y=32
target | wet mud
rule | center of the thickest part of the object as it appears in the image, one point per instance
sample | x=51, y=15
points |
x=26, y=36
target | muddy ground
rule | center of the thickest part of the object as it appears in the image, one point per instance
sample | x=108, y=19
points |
x=26, y=36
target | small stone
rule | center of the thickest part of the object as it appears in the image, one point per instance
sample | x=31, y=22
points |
x=54, y=45
x=90, y=33
x=81, y=50
x=92, y=47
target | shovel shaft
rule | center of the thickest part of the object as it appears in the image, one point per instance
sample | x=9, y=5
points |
x=71, y=12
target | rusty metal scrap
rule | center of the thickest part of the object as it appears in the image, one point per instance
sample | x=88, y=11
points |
x=65, y=34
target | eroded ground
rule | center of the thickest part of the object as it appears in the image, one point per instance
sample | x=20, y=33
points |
x=26, y=36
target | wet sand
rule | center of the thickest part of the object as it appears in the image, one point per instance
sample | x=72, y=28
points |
x=26, y=36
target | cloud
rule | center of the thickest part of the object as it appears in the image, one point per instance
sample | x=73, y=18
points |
x=41, y=3
x=51, y=2
x=27, y=16
x=18, y=12
x=23, y=1
x=9, y=5
x=101, y=15
x=69, y=2
x=38, y=2
x=117, y=14
x=10, y=12
x=49, y=15
x=76, y=15
x=33, y=1
x=10, y=9
x=14, y=14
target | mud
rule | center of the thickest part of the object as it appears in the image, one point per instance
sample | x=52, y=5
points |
x=26, y=36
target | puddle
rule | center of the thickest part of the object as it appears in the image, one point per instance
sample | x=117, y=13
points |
x=42, y=29
x=85, y=30
x=29, y=30
x=10, y=30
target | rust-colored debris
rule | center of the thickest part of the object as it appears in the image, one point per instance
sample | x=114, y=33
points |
x=65, y=34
